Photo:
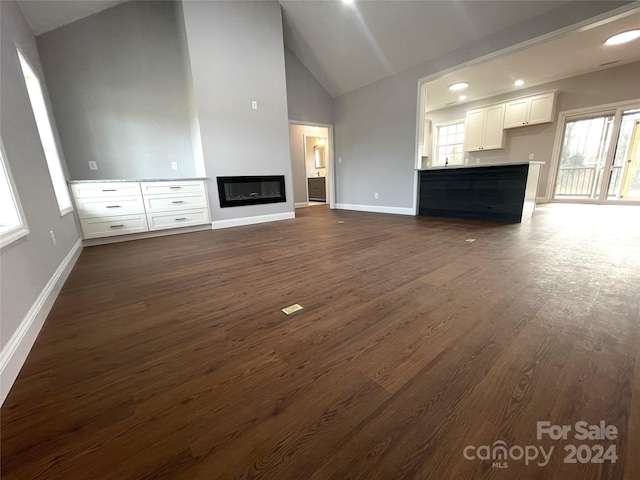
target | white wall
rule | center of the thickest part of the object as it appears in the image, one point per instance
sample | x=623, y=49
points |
x=375, y=125
x=27, y=265
x=119, y=90
x=592, y=89
x=236, y=54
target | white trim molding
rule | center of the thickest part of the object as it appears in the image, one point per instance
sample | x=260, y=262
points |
x=301, y=204
x=238, y=222
x=377, y=209
x=15, y=352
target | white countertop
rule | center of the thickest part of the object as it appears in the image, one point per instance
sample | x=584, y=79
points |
x=480, y=165
x=138, y=180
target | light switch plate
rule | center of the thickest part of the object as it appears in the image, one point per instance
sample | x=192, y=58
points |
x=93, y=165
x=254, y=104
x=174, y=165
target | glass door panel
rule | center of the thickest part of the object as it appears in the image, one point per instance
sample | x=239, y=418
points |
x=624, y=178
x=583, y=156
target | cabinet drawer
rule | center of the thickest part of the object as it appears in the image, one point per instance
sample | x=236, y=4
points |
x=96, y=190
x=159, y=188
x=112, y=226
x=116, y=206
x=161, y=221
x=168, y=203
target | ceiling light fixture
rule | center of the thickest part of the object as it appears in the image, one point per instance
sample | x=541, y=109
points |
x=458, y=86
x=348, y=2
x=623, y=37
x=518, y=83
x=463, y=97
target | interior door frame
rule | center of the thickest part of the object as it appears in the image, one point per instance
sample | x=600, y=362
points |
x=306, y=173
x=331, y=177
x=616, y=108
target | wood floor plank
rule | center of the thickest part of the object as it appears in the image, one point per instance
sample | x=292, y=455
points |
x=170, y=358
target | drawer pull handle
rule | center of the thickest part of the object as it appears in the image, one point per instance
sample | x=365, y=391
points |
x=178, y=201
x=181, y=218
x=114, y=206
x=110, y=190
x=174, y=188
x=116, y=226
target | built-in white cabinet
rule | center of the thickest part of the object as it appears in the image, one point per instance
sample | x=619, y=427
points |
x=175, y=204
x=108, y=209
x=532, y=110
x=483, y=128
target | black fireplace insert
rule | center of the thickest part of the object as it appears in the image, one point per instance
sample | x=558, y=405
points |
x=237, y=191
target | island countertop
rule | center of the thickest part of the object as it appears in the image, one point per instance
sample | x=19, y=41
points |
x=480, y=165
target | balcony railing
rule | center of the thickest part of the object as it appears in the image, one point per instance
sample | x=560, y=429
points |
x=584, y=181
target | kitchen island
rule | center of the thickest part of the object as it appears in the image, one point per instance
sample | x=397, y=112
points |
x=503, y=192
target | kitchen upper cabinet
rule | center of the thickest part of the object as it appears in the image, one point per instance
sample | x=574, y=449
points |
x=525, y=111
x=483, y=128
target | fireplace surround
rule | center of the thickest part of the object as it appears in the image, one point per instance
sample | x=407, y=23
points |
x=250, y=190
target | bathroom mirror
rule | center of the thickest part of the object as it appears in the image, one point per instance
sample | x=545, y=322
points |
x=319, y=153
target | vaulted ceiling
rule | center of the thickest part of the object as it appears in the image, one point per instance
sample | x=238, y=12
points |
x=349, y=45
x=346, y=46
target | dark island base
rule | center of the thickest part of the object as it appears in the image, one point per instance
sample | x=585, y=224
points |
x=493, y=192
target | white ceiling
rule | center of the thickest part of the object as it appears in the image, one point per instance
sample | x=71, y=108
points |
x=45, y=15
x=576, y=53
x=348, y=46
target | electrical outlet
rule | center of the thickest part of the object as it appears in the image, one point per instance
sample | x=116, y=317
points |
x=531, y=156
x=477, y=160
x=254, y=104
x=53, y=238
x=174, y=165
x=339, y=159
x=93, y=165
x=375, y=195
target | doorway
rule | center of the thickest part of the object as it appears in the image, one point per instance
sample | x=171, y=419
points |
x=312, y=162
x=599, y=159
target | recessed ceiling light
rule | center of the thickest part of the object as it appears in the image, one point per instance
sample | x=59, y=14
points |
x=623, y=37
x=458, y=86
x=518, y=83
x=463, y=97
x=348, y=2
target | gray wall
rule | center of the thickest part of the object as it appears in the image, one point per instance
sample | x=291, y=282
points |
x=27, y=264
x=119, y=90
x=307, y=100
x=237, y=55
x=593, y=89
x=298, y=158
x=375, y=126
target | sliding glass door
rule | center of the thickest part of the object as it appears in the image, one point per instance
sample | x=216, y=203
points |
x=624, y=180
x=600, y=158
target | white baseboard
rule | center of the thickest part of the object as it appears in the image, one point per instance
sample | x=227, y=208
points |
x=15, y=352
x=376, y=209
x=238, y=222
x=541, y=200
x=301, y=204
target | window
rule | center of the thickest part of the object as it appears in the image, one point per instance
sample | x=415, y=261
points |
x=12, y=223
x=46, y=136
x=449, y=143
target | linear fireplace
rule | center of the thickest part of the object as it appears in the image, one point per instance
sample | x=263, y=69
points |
x=237, y=191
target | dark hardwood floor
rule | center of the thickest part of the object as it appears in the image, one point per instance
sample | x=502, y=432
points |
x=170, y=357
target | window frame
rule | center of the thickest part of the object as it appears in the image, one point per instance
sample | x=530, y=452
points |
x=10, y=234
x=436, y=140
x=52, y=153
